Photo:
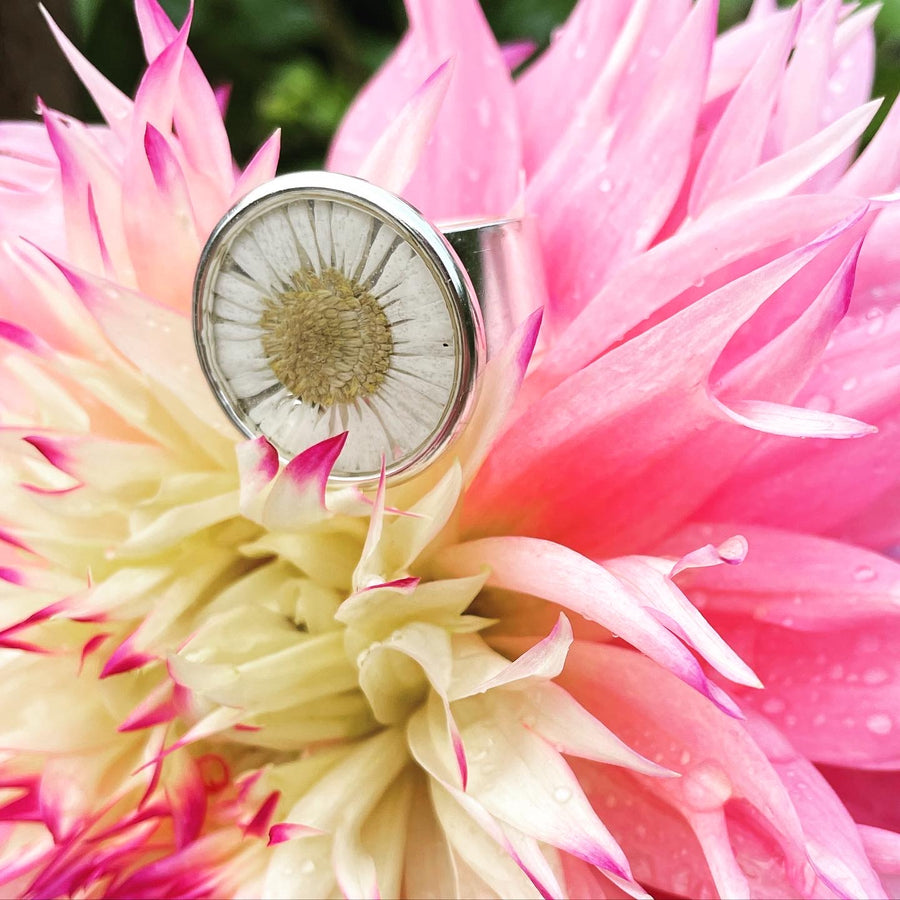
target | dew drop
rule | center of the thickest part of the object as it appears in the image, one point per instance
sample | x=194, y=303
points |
x=820, y=403
x=850, y=384
x=820, y=719
x=875, y=676
x=562, y=795
x=869, y=643
x=580, y=51
x=606, y=185
x=864, y=573
x=700, y=281
x=700, y=599
x=706, y=786
x=836, y=673
x=773, y=706
x=307, y=867
x=879, y=723
x=484, y=112
x=876, y=321
x=685, y=757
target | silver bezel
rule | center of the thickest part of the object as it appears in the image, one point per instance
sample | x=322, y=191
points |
x=435, y=251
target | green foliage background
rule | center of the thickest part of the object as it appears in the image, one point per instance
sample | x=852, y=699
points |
x=295, y=64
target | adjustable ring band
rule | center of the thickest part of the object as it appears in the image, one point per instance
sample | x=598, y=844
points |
x=325, y=304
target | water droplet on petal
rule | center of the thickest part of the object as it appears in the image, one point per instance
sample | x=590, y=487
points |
x=820, y=403
x=307, y=867
x=706, y=787
x=864, y=573
x=606, y=185
x=562, y=795
x=875, y=676
x=773, y=706
x=580, y=51
x=879, y=723
x=700, y=599
x=484, y=112
x=876, y=320
x=850, y=384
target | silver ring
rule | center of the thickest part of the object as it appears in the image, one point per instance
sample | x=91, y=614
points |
x=323, y=304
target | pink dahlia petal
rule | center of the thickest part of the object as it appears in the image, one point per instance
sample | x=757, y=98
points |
x=647, y=578
x=806, y=80
x=792, y=169
x=634, y=396
x=832, y=838
x=883, y=849
x=500, y=386
x=682, y=270
x=561, y=576
x=611, y=200
x=395, y=155
x=576, y=58
x=736, y=143
x=154, y=103
x=858, y=378
x=721, y=790
x=815, y=583
x=833, y=693
x=114, y=106
x=171, y=360
x=452, y=181
x=165, y=251
x=262, y=168
x=197, y=116
x=877, y=170
x=87, y=172
x=517, y=52
x=298, y=492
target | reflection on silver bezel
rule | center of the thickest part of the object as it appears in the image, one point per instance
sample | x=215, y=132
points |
x=429, y=244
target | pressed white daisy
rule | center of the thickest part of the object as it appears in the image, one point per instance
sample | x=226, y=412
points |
x=327, y=305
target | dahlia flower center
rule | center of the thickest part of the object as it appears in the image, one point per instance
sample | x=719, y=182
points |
x=328, y=340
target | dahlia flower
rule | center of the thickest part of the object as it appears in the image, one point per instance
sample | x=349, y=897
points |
x=637, y=632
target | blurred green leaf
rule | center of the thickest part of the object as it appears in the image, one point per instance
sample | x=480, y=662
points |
x=302, y=94
x=85, y=12
x=523, y=19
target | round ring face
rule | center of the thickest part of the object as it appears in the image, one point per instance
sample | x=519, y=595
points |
x=324, y=304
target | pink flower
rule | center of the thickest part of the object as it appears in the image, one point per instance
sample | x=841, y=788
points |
x=639, y=632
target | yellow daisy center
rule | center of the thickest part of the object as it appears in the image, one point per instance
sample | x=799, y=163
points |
x=328, y=340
